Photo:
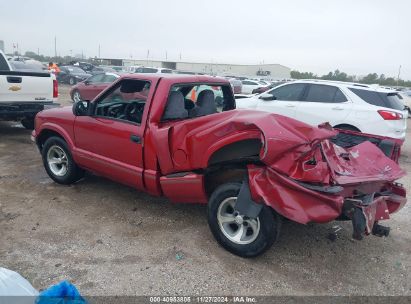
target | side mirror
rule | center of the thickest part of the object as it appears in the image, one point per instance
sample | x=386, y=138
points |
x=86, y=82
x=80, y=108
x=267, y=97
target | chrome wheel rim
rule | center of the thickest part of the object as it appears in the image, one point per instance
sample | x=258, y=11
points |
x=57, y=161
x=76, y=96
x=237, y=228
x=71, y=81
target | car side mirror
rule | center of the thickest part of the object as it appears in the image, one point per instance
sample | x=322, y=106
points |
x=80, y=108
x=86, y=82
x=267, y=97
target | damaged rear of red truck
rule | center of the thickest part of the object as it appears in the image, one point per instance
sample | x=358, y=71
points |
x=302, y=173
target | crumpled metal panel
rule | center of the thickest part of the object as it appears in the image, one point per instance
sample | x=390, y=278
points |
x=290, y=199
x=362, y=163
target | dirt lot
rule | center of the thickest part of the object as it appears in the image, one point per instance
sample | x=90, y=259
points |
x=111, y=240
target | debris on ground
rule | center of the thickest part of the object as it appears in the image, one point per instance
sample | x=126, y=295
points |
x=179, y=256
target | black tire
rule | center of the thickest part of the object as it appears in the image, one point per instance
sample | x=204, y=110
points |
x=270, y=224
x=73, y=172
x=72, y=81
x=28, y=123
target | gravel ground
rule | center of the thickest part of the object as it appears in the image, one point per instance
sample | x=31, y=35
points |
x=112, y=240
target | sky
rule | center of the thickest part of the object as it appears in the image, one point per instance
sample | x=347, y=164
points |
x=357, y=37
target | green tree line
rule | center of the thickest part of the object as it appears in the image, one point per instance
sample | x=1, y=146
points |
x=372, y=78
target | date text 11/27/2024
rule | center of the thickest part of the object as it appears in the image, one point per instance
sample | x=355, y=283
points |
x=203, y=299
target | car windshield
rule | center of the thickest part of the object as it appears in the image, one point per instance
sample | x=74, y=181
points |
x=75, y=70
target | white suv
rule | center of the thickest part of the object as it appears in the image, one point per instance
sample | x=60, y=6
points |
x=350, y=106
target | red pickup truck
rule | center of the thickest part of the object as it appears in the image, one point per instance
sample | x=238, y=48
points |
x=167, y=135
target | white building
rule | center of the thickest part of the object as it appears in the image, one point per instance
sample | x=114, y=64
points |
x=271, y=71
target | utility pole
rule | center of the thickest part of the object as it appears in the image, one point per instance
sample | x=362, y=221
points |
x=166, y=55
x=55, y=46
x=99, y=52
x=398, y=78
x=148, y=54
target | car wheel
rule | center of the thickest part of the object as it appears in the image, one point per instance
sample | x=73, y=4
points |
x=72, y=81
x=28, y=123
x=59, y=163
x=242, y=236
x=76, y=96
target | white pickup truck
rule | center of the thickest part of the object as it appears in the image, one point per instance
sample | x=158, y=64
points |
x=25, y=93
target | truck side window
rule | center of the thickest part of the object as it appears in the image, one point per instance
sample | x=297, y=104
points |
x=3, y=64
x=126, y=101
x=198, y=100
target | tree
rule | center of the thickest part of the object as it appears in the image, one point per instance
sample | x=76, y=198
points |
x=303, y=75
x=370, y=78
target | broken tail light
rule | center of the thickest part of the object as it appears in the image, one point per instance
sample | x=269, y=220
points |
x=55, y=89
x=389, y=115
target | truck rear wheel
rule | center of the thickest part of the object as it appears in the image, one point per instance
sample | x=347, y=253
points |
x=28, y=123
x=242, y=236
x=59, y=163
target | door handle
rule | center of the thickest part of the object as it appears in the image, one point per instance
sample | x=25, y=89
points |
x=13, y=79
x=136, y=139
x=290, y=105
x=338, y=108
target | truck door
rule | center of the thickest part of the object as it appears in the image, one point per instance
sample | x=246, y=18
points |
x=110, y=140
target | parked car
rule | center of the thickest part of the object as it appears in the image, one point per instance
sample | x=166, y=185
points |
x=92, y=86
x=268, y=87
x=117, y=68
x=142, y=69
x=85, y=66
x=101, y=69
x=184, y=72
x=25, y=92
x=236, y=85
x=406, y=100
x=131, y=68
x=344, y=105
x=252, y=168
x=250, y=85
x=71, y=74
x=153, y=70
